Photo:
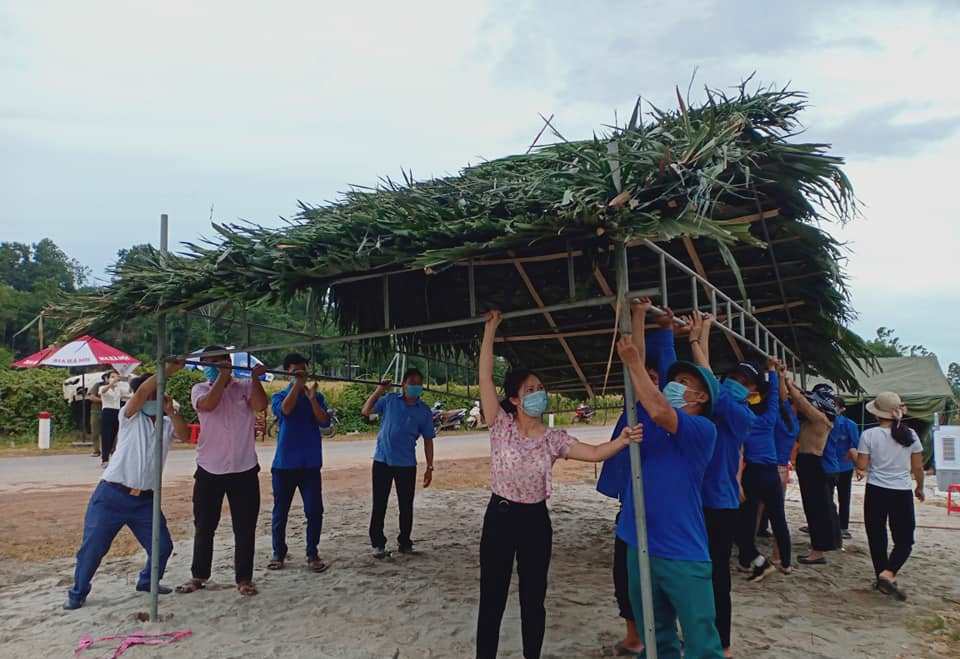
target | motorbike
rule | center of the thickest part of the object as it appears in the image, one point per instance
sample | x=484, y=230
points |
x=583, y=414
x=447, y=419
x=331, y=430
x=475, y=417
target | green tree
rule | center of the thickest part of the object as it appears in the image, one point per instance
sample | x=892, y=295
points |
x=953, y=376
x=888, y=344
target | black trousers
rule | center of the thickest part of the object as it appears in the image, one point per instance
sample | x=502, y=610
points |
x=721, y=529
x=621, y=582
x=242, y=490
x=816, y=491
x=843, y=484
x=880, y=507
x=384, y=476
x=761, y=484
x=109, y=425
x=521, y=532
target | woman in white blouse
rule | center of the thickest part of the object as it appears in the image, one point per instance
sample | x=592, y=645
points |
x=889, y=453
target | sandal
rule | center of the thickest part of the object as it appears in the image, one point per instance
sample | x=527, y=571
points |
x=247, y=589
x=275, y=564
x=318, y=566
x=191, y=586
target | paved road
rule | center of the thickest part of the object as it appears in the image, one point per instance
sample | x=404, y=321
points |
x=51, y=471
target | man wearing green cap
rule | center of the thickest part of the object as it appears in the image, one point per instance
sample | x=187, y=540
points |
x=679, y=440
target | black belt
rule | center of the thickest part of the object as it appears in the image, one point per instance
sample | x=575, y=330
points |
x=504, y=505
x=132, y=491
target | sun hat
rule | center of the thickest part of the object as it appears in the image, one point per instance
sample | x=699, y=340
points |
x=887, y=405
x=708, y=379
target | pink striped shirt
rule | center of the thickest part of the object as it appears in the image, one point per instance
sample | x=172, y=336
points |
x=521, y=468
x=226, y=444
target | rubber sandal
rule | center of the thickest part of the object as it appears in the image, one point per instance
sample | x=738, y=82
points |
x=318, y=566
x=275, y=564
x=621, y=650
x=191, y=586
x=804, y=560
x=247, y=589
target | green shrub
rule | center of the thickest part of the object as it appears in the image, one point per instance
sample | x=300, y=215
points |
x=25, y=393
x=179, y=386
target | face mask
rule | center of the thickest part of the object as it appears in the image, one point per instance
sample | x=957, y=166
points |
x=754, y=398
x=414, y=390
x=150, y=408
x=535, y=404
x=211, y=373
x=736, y=390
x=674, y=392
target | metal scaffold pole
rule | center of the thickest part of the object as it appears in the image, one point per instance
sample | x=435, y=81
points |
x=158, y=445
x=636, y=469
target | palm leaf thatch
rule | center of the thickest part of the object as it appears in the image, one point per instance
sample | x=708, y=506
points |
x=693, y=172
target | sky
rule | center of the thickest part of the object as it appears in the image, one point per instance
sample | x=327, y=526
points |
x=116, y=111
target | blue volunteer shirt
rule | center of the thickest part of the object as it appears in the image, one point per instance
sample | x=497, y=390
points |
x=785, y=434
x=673, y=468
x=400, y=427
x=844, y=436
x=760, y=447
x=661, y=351
x=733, y=419
x=299, y=442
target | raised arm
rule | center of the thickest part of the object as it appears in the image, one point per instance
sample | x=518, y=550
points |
x=258, y=397
x=180, y=428
x=320, y=414
x=804, y=406
x=600, y=452
x=210, y=400
x=647, y=394
x=147, y=389
x=699, y=339
x=488, y=389
x=370, y=403
x=773, y=395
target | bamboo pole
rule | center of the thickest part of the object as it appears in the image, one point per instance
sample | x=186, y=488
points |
x=158, y=445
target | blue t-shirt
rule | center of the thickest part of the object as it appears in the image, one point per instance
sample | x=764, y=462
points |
x=400, y=427
x=660, y=350
x=844, y=436
x=734, y=420
x=299, y=442
x=760, y=447
x=673, y=468
x=785, y=434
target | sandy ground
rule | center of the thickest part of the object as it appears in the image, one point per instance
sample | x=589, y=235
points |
x=425, y=605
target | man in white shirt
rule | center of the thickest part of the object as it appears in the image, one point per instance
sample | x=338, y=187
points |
x=124, y=495
x=110, y=394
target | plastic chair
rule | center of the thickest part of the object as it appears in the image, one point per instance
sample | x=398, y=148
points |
x=951, y=506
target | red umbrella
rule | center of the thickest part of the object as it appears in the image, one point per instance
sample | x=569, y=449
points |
x=87, y=351
x=34, y=360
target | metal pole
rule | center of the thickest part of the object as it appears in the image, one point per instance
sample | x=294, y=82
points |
x=472, y=285
x=636, y=469
x=571, y=279
x=158, y=445
x=663, y=279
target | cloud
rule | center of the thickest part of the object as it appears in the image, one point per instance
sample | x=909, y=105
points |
x=878, y=132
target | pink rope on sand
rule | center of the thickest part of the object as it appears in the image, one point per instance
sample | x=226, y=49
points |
x=136, y=638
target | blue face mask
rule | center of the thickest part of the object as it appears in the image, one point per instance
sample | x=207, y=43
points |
x=736, y=390
x=414, y=390
x=674, y=393
x=535, y=404
x=211, y=373
x=150, y=408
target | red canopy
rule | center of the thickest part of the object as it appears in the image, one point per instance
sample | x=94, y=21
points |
x=34, y=359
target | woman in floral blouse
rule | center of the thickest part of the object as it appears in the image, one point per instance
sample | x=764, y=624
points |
x=516, y=525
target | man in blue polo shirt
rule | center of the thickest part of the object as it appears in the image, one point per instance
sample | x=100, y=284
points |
x=301, y=412
x=678, y=443
x=404, y=418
